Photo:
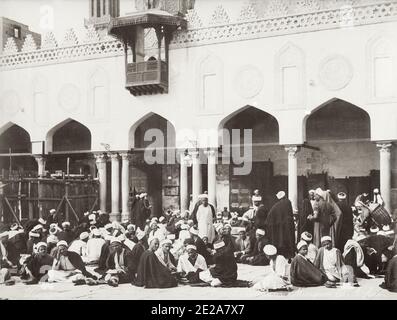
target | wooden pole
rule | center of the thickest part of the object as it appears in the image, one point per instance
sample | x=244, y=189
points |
x=66, y=199
x=30, y=203
x=20, y=199
x=68, y=167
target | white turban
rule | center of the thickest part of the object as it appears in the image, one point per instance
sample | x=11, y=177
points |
x=191, y=247
x=203, y=196
x=66, y=224
x=166, y=241
x=326, y=238
x=41, y=244
x=270, y=250
x=260, y=232
x=280, y=195
x=62, y=243
x=140, y=234
x=301, y=244
x=96, y=232
x=256, y=198
x=84, y=235
x=320, y=192
x=306, y=236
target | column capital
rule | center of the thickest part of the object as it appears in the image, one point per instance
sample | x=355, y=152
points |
x=114, y=156
x=292, y=150
x=195, y=153
x=125, y=156
x=210, y=152
x=100, y=157
x=384, y=146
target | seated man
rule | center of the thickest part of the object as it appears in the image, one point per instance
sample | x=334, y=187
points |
x=118, y=264
x=303, y=272
x=156, y=231
x=6, y=259
x=225, y=270
x=200, y=245
x=165, y=256
x=353, y=256
x=38, y=264
x=277, y=278
x=243, y=245
x=80, y=245
x=67, y=266
x=137, y=252
x=329, y=260
x=151, y=272
x=390, y=282
x=190, y=264
x=258, y=257
x=94, y=247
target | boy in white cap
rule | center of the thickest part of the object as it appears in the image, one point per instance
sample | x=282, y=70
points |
x=277, y=278
x=66, y=234
x=190, y=264
x=303, y=273
x=257, y=257
x=38, y=264
x=329, y=260
x=312, y=250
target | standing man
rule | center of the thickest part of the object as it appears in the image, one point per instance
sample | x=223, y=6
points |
x=378, y=198
x=280, y=227
x=305, y=224
x=323, y=216
x=203, y=216
x=346, y=227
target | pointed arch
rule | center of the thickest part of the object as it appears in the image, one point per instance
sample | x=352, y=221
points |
x=68, y=135
x=249, y=117
x=139, y=126
x=337, y=119
x=14, y=137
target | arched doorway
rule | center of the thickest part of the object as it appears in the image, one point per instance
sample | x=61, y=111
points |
x=346, y=159
x=15, y=152
x=153, y=169
x=69, y=144
x=266, y=157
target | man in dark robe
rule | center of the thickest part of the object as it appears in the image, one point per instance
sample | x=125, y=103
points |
x=258, y=257
x=118, y=264
x=67, y=233
x=374, y=247
x=38, y=264
x=103, y=219
x=134, y=209
x=151, y=273
x=346, y=227
x=390, y=282
x=280, y=227
x=200, y=245
x=260, y=217
x=136, y=254
x=303, y=272
x=225, y=270
x=18, y=237
x=304, y=223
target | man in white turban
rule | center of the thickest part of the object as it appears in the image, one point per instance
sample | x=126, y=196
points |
x=190, y=264
x=203, y=216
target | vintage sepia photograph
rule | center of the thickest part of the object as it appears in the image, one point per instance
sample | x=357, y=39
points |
x=201, y=150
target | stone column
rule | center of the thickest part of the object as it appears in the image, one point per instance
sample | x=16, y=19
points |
x=100, y=160
x=196, y=176
x=385, y=173
x=125, y=186
x=211, y=156
x=41, y=161
x=184, y=190
x=293, y=176
x=115, y=214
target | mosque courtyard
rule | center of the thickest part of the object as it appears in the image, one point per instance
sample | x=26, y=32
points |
x=368, y=290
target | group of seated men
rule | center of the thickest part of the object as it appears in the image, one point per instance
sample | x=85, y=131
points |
x=170, y=251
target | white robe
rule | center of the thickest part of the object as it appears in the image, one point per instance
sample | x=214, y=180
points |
x=205, y=223
x=275, y=272
x=184, y=265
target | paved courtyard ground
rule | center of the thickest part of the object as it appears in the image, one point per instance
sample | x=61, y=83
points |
x=368, y=290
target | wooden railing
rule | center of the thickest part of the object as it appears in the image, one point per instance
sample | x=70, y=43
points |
x=147, y=73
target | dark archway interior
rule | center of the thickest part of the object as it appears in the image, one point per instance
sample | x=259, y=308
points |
x=338, y=120
x=153, y=122
x=264, y=126
x=72, y=136
x=15, y=138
